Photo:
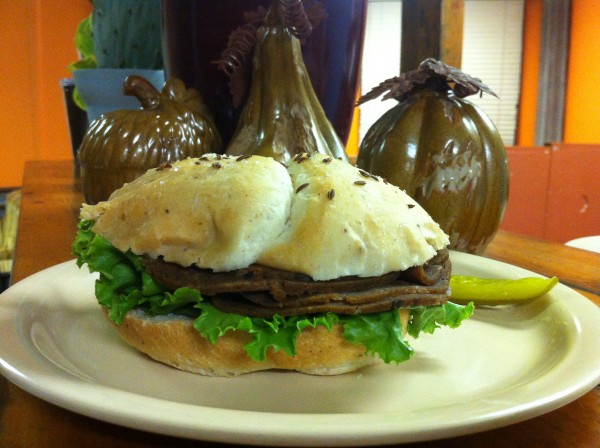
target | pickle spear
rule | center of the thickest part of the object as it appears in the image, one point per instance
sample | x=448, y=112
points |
x=491, y=291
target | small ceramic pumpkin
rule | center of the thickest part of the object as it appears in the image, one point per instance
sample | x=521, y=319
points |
x=121, y=145
x=443, y=150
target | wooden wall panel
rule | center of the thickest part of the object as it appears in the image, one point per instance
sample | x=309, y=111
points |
x=529, y=182
x=431, y=29
x=554, y=191
x=554, y=55
x=573, y=205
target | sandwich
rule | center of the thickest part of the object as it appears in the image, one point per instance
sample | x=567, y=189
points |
x=223, y=265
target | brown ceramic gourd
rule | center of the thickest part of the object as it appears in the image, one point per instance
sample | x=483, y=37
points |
x=282, y=115
x=443, y=150
x=121, y=145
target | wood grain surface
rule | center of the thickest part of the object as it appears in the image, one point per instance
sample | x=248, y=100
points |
x=51, y=201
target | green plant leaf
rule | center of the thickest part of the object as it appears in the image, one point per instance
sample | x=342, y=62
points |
x=83, y=64
x=84, y=41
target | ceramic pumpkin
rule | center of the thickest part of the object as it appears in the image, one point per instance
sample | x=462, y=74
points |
x=443, y=150
x=121, y=145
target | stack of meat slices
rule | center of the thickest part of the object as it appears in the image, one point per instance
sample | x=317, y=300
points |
x=260, y=291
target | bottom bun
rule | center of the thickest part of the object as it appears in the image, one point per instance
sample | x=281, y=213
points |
x=173, y=340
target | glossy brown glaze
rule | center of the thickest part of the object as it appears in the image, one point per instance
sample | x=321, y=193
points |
x=445, y=152
x=121, y=145
x=282, y=116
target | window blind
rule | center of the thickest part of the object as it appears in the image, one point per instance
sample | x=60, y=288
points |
x=381, y=56
x=492, y=48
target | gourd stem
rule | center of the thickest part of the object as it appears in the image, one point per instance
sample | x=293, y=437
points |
x=143, y=90
x=273, y=17
x=289, y=14
x=437, y=84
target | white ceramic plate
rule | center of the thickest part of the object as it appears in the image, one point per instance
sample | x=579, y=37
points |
x=591, y=243
x=503, y=366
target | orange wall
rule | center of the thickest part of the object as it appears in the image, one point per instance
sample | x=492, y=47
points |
x=353, y=137
x=582, y=110
x=532, y=38
x=36, y=44
x=582, y=117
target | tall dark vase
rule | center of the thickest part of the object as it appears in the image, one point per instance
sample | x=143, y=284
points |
x=195, y=33
x=77, y=118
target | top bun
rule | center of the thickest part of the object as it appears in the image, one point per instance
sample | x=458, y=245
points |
x=321, y=217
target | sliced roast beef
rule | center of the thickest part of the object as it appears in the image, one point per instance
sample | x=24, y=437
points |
x=262, y=291
x=342, y=304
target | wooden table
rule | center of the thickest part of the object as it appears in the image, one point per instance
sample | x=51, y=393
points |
x=51, y=200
